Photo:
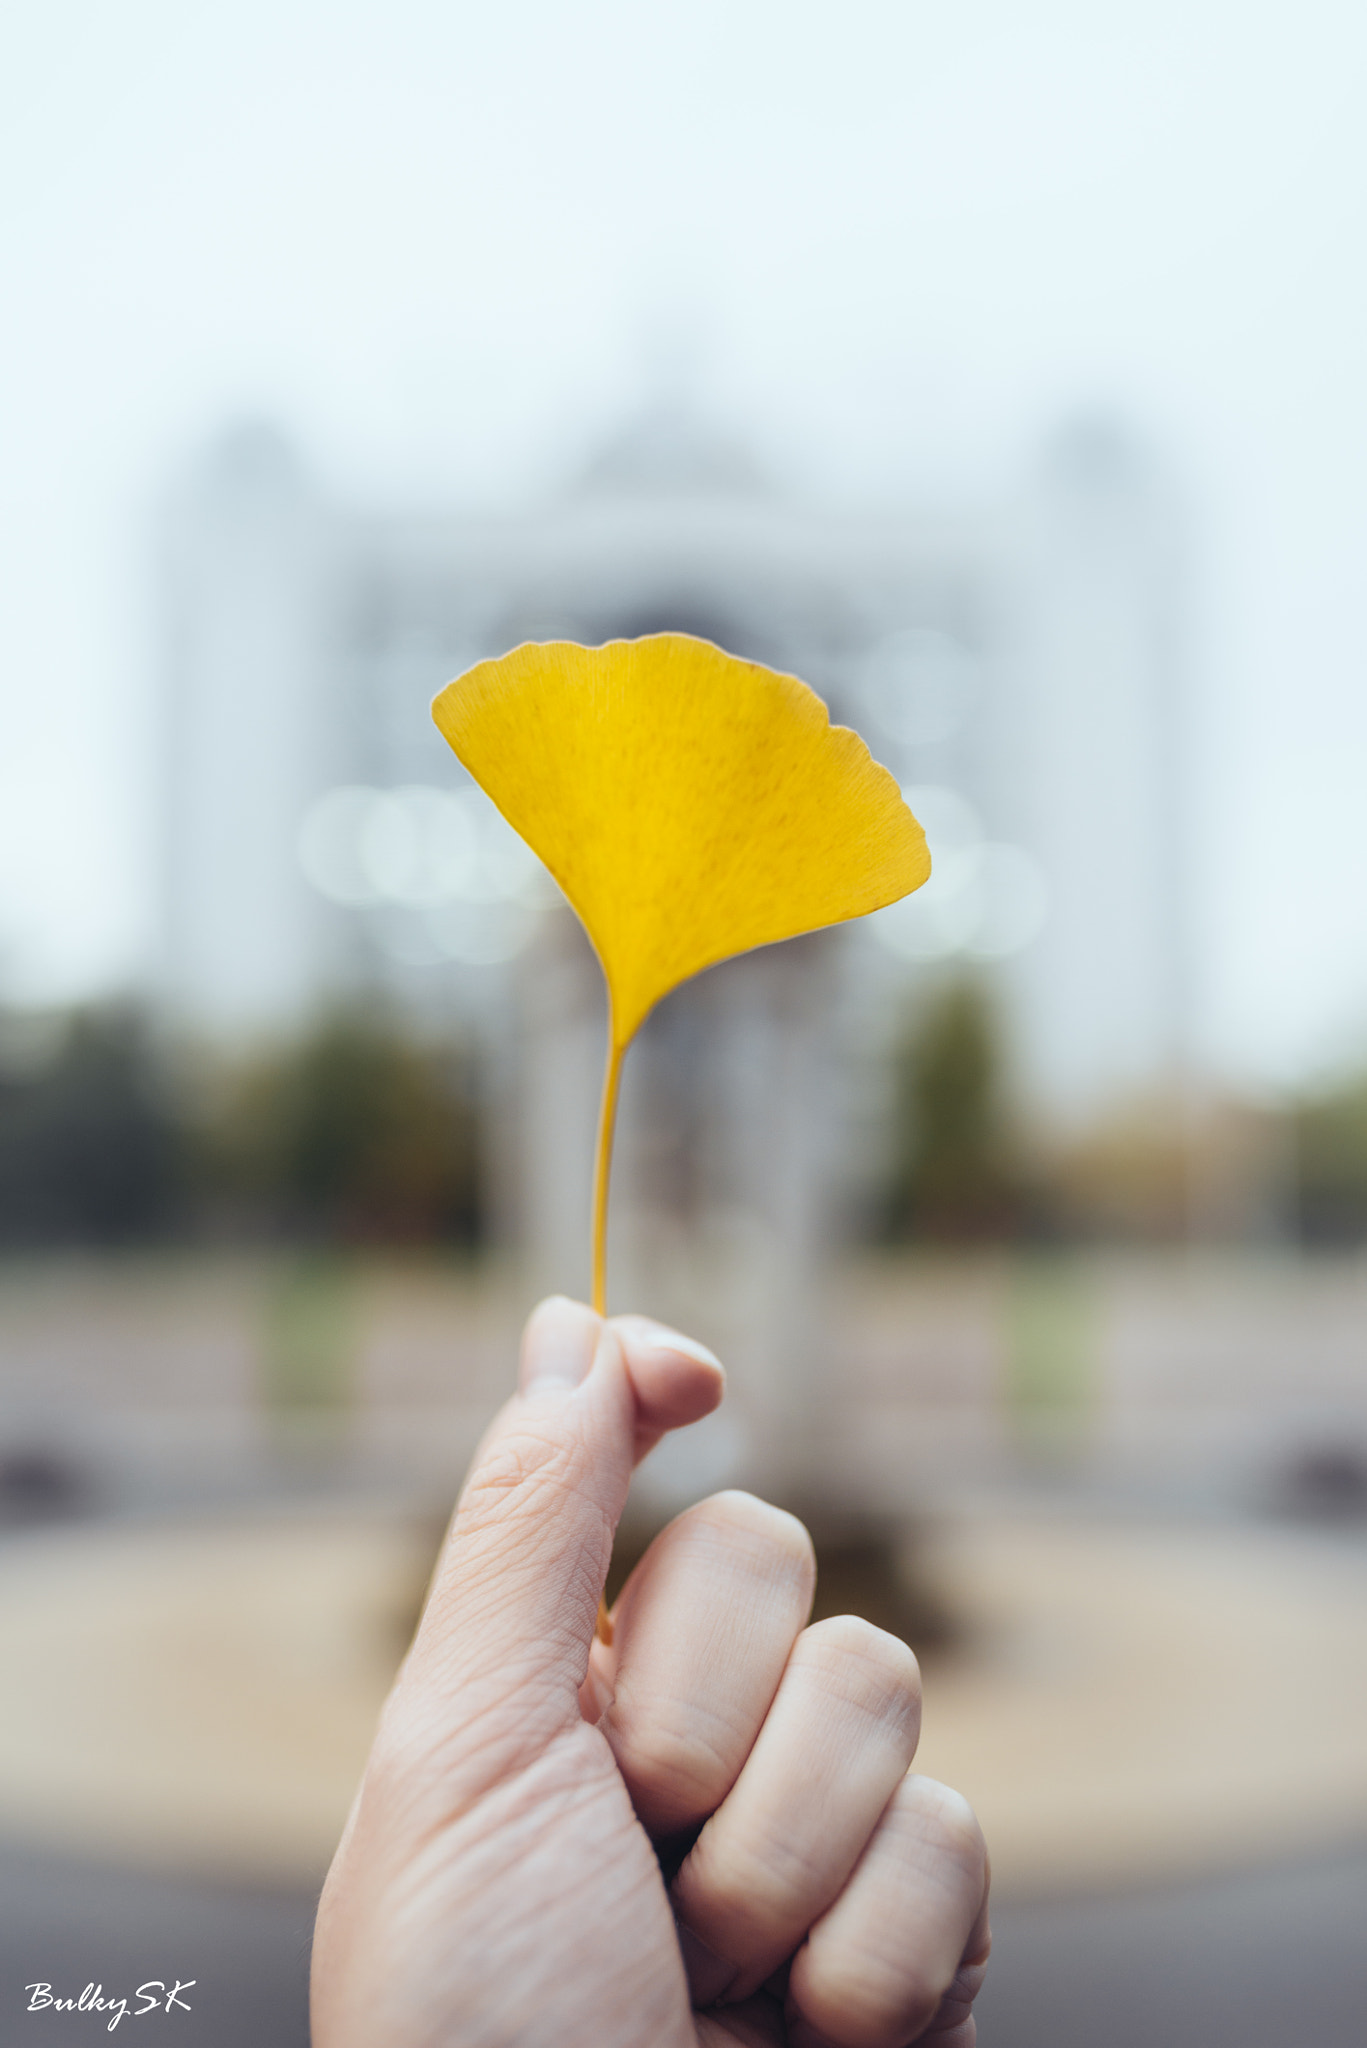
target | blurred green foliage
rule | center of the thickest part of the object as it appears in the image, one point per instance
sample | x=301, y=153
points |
x=1051, y=1378
x=309, y=1339
x=956, y=1177
x=355, y=1133
x=1331, y=1165
x=91, y=1149
x=352, y=1133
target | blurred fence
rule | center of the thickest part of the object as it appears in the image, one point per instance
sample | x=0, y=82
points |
x=1226, y=1381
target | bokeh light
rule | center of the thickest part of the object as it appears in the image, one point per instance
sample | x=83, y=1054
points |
x=985, y=900
x=442, y=874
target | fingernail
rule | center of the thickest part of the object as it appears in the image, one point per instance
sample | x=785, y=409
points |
x=659, y=1337
x=558, y=1348
x=709, y=1975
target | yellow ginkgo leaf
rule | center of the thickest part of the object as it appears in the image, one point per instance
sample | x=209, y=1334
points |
x=689, y=804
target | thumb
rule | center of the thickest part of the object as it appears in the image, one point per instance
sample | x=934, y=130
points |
x=513, y=1606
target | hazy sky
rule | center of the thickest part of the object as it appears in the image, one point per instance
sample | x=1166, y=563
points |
x=448, y=244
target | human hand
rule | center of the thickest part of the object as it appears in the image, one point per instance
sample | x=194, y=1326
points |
x=501, y=1880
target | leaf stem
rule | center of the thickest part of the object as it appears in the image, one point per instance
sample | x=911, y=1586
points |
x=602, y=1168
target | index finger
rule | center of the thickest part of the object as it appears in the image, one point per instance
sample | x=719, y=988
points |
x=675, y=1379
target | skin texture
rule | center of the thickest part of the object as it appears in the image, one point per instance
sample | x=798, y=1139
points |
x=708, y=1833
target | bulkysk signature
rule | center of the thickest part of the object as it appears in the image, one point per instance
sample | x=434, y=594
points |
x=153, y=1996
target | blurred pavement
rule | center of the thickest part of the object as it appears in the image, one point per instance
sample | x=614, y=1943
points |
x=68, y=1924
x=1272, y=1959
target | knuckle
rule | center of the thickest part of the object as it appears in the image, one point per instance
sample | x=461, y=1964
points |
x=520, y=1462
x=875, y=1669
x=738, y=1901
x=866, y=2008
x=678, y=1772
x=922, y=1996
x=510, y=1466
x=869, y=1999
x=775, y=1536
x=947, y=1823
x=967, y=1982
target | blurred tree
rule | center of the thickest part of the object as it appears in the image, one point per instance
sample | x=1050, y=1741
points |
x=355, y=1134
x=309, y=1337
x=1331, y=1165
x=90, y=1150
x=1155, y=1168
x=1125, y=1177
x=1051, y=1352
x=954, y=1177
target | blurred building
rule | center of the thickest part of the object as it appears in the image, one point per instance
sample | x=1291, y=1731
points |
x=1016, y=664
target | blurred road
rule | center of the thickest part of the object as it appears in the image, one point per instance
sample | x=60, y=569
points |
x=1273, y=1959
x=69, y=1924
